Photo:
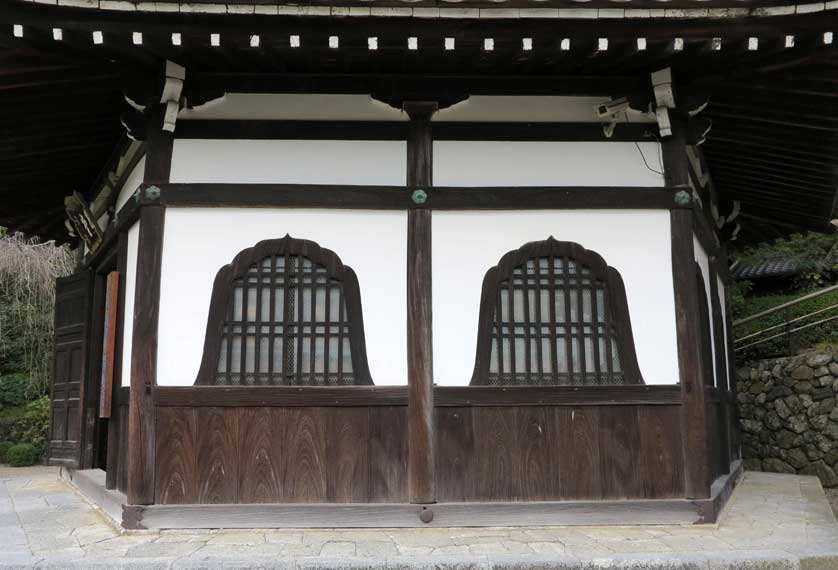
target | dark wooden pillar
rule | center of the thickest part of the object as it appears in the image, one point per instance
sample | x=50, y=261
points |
x=690, y=363
x=115, y=446
x=420, y=403
x=141, y=416
x=722, y=380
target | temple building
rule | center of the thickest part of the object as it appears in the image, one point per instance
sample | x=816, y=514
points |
x=384, y=263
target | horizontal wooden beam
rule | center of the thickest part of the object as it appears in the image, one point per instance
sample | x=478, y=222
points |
x=444, y=396
x=399, y=197
x=397, y=130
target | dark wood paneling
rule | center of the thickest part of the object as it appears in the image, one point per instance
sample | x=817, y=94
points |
x=455, y=449
x=552, y=452
x=261, y=439
x=388, y=454
x=176, y=450
x=348, y=455
x=661, y=466
x=444, y=396
x=357, y=455
x=212, y=455
x=217, y=453
x=619, y=444
x=579, y=452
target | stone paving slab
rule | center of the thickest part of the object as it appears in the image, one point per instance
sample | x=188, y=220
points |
x=773, y=522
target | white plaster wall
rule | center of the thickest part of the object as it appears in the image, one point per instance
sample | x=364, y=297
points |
x=298, y=107
x=199, y=241
x=704, y=262
x=532, y=108
x=130, y=288
x=132, y=182
x=503, y=163
x=290, y=161
x=635, y=242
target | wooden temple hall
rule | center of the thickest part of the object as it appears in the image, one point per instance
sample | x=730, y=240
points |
x=383, y=263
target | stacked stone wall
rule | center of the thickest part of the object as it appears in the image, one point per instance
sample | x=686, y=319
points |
x=788, y=414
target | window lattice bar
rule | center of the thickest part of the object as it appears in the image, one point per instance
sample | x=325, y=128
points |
x=285, y=312
x=553, y=313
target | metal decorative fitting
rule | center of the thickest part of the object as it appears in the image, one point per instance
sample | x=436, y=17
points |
x=426, y=515
x=683, y=198
x=419, y=196
x=152, y=193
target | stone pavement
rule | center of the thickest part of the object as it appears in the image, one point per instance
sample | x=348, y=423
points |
x=773, y=522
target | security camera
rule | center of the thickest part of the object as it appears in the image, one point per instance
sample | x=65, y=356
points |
x=610, y=109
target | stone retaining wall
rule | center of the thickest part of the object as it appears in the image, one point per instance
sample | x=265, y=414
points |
x=787, y=408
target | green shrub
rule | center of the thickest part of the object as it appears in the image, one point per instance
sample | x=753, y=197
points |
x=13, y=390
x=4, y=449
x=26, y=424
x=22, y=455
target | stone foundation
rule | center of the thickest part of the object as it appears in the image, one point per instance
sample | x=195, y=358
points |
x=789, y=417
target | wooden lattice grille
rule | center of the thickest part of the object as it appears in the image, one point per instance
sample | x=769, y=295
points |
x=288, y=318
x=549, y=316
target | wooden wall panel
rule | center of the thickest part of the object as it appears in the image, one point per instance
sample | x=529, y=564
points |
x=178, y=482
x=579, y=451
x=661, y=468
x=455, y=451
x=542, y=453
x=359, y=454
x=348, y=455
x=281, y=455
x=388, y=454
x=260, y=442
x=217, y=455
x=619, y=445
x=304, y=475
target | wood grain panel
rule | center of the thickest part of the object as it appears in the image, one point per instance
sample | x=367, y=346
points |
x=347, y=455
x=579, y=452
x=177, y=482
x=305, y=467
x=260, y=441
x=536, y=460
x=493, y=477
x=661, y=460
x=388, y=454
x=455, y=453
x=619, y=444
x=217, y=452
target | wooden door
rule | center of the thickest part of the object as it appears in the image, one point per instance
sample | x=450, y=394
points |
x=72, y=307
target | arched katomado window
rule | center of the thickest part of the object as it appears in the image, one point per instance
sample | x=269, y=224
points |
x=285, y=312
x=554, y=313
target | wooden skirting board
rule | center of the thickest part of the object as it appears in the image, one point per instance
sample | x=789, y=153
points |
x=560, y=513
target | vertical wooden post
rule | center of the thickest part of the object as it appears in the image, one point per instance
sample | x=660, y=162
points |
x=420, y=403
x=141, y=415
x=720, y=350
x=114, y=445
x=690, y=363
